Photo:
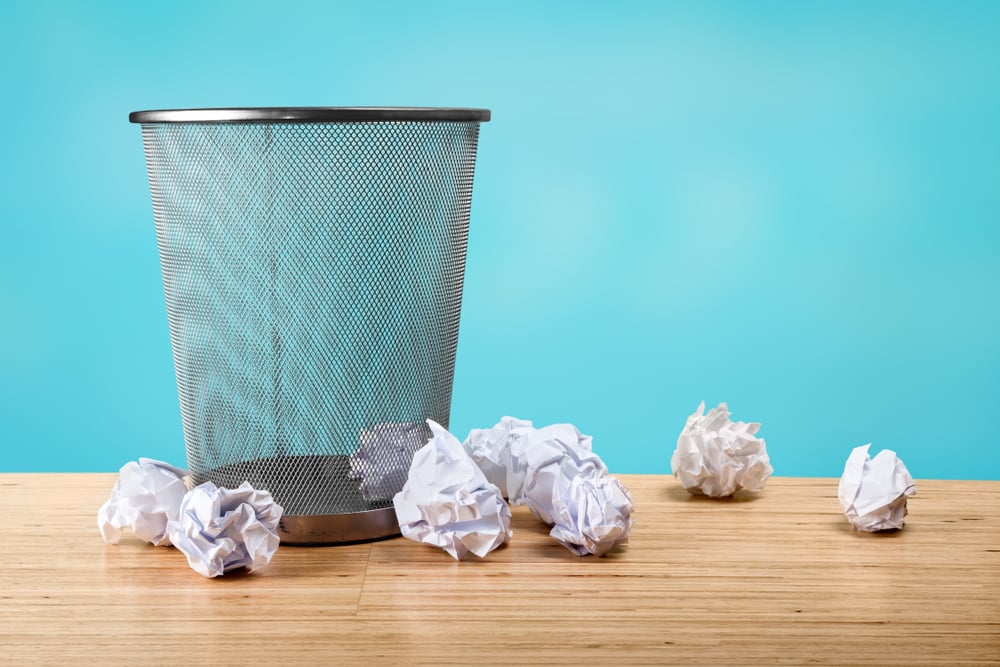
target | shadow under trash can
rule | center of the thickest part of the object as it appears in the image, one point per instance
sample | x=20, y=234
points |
x=312, y=263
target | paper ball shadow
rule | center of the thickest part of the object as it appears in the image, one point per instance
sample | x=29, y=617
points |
x=678, y=493
x=844, y=526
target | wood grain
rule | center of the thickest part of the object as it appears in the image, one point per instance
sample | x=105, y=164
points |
x=771, y=578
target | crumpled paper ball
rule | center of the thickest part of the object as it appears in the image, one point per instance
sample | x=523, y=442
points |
x=220, y=530
x=873, y=491
x=447, y=502
x=145, y=498
x=381, y=462
x=717, y=457
x=490, y=448
x=593, y=514
x=540, y=458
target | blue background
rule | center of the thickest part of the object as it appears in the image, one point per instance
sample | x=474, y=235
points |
x=791, y=207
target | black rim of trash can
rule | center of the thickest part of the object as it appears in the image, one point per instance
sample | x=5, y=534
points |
x=310, y=115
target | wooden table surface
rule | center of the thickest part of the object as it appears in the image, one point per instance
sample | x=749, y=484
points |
x=771, y=578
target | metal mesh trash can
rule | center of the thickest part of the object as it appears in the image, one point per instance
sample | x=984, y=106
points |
x=312, y=263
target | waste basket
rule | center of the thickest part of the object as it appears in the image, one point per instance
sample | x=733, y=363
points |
x=312, y=263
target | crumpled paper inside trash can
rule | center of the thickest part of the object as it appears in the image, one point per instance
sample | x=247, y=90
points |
x=383, y=458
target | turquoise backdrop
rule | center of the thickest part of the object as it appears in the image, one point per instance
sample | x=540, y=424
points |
x=792, y=207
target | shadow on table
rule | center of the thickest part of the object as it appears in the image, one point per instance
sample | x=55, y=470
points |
x=678, y=493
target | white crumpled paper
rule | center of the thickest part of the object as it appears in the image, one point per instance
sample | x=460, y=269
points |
x=382, y=460
x=224, y=529
x=145, y=498
x=490, y=448
x=873, y=491
x=593, y=514
x=717, y=457
x=544, y=458
x=447, y=502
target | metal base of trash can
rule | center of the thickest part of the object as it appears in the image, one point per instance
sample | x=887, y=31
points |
x=305, y=521
x=325, y=529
